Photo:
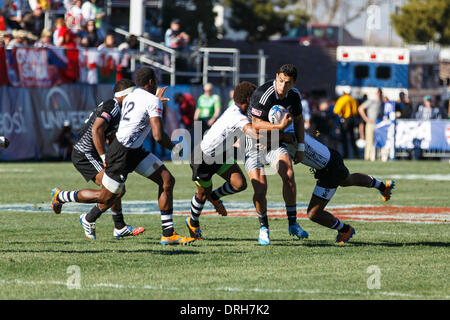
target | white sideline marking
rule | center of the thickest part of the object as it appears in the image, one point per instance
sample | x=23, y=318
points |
x=225, y=289
x=431, y=177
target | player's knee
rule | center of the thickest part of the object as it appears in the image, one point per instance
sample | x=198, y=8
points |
x=288, y=176
x=239, y=185
x=313, y=214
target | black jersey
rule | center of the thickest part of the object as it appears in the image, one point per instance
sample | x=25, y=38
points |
x=265, y=97
x=108, y=110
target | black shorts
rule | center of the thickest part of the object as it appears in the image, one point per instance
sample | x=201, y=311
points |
x=204, y=171
x=88, y=164
x=120, y=160
x=334, y=173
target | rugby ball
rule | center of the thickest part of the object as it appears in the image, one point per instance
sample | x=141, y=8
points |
x=276, y=113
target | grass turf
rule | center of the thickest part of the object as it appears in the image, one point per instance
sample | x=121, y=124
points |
x=38, y=248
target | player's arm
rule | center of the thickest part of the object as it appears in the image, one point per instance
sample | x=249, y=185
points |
x=98, y=136
x=162, y=138
x=259, y=124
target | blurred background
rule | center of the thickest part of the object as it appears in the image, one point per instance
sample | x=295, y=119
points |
x=388, y=62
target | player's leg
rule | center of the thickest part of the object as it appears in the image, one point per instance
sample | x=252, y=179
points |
x=259, y=183
x=152, y=168
x=283, y=165
x=234, y=182
x=316, y=212
x=364, y=180
x=197, y=203
x=89, y=167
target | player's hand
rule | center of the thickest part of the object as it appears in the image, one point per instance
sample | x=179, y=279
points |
x=299, y=155
x=286, y=121
x=160, y=94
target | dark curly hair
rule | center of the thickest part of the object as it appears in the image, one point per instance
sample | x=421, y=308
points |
x=243, y=92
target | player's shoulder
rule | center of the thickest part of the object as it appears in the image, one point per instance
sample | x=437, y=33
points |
x=264, y=92
x=295, y=93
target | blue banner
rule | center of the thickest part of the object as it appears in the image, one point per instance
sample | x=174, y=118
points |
x=429, y=135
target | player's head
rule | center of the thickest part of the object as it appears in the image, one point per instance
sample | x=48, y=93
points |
x=145, y=78
x=286, y=79
x=122, y=88
x=242, y=94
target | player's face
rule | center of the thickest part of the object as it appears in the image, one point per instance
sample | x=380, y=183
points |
x=283, y=84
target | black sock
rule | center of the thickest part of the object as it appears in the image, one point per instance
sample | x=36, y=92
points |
x=117, y=217
x=291, y=212
x=263, y=220
x=93, y=214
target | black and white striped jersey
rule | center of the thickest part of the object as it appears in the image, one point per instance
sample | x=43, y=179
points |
x=108, y=110
x=265, y=97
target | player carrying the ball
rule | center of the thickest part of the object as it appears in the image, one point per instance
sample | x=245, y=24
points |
x=282, y=92
x=216, y=155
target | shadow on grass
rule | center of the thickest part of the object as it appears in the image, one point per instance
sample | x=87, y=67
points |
x=324, y=243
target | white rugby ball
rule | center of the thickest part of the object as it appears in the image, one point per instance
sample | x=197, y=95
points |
x=276, y=113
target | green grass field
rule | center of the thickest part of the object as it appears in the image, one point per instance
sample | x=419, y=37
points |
x=37, y=249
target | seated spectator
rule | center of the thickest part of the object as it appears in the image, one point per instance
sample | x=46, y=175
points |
x=131, y=43
x=45, y=40
x=427, y=111
x=13, y=10
x=19, y=39
x=109, y=42
x=34, y=21
x=60, y=29
x=74, y=17
x=174, y=38
x=91, y=11
x=93, y=37
x=6, y=38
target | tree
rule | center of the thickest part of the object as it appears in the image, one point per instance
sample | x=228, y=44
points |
x=262, y=19
x=421, y=21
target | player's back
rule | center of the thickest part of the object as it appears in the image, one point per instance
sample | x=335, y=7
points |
x=137, y=109
x=109, y=110
x=220, y=136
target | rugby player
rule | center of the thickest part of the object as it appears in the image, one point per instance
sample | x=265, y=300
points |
x=280, y=91
x=88, y=157
x=330, y=171
x=142, y=111
x=215, y=155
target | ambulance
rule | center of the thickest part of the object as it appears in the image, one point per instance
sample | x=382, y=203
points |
x=362, y=70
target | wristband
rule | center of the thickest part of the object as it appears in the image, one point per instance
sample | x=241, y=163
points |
x=103, y=157
x=301, y=147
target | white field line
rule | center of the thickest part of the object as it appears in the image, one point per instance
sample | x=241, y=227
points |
x=227, y=289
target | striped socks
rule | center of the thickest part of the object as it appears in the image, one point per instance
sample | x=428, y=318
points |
x=225, y=190
x=167, y=222
x=340, y=226
x=196, y=210
x=67, y=196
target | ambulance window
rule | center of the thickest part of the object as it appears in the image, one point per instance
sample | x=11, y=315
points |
x=383, y=72
x=361, y=72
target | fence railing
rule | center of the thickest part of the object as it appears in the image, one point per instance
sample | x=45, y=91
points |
x=164, y=58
